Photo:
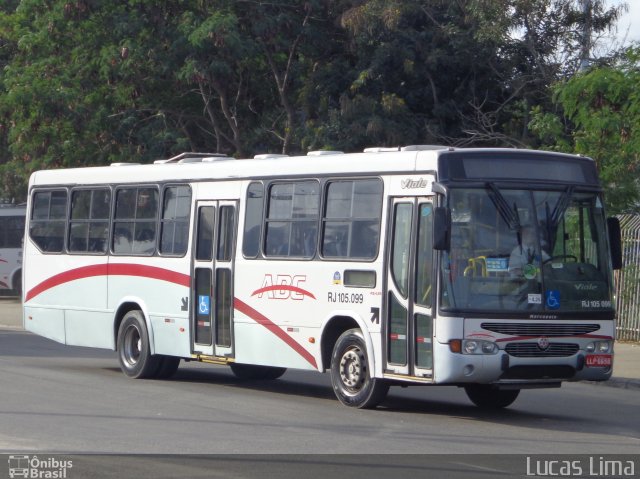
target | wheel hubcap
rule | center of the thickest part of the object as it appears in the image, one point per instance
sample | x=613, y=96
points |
x=352, y=369
x=132, y=346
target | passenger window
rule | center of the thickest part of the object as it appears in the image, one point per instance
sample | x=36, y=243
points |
x=174, y=228
x=89, y=224
x=351, y=223
x=292, y=218
x=253, y=220
x=48, y=220
x=135, y=221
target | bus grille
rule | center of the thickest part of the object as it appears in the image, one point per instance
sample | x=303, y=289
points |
x=540, y=329
x=531, y=350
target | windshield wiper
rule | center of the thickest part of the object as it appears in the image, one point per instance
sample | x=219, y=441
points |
x=561, y=207
x=511, y=217
x=554, y=217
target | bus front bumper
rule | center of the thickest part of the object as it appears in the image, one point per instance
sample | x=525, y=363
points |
x=502, y=368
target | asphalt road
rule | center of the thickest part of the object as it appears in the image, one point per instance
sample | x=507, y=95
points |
x=57, y=398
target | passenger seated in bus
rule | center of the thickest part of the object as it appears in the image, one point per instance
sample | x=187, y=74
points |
x=145, y=240
x=364, y=240
x=276, y=243
x=526, y=252
x=335, y=245
x=122, y=240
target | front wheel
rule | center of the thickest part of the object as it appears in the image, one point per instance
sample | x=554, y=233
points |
x=134, y=353
x=351, y=373
x=488, y=397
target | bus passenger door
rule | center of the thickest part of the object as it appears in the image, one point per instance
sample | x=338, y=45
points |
x=408, y=317
x=212, y=312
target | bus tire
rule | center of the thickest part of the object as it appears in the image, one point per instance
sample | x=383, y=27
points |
x=254, y=372
x=487, y=397
x=134, y=353
x=351, y=374
x=168, y=367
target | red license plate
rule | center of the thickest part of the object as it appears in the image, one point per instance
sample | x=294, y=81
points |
x=599, y=361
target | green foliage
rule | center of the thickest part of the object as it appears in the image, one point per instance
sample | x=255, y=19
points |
x=91, y=82
x=602, y=110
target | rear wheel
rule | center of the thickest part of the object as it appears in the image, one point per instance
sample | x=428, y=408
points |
x=168, y=367
x=488, y=397
x=134, y=353
x=351, y=373
x=252, y=372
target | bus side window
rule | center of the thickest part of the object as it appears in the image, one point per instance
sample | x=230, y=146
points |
x=48, y=220
x=174, y=224
x=136, y=212
x=253, y=220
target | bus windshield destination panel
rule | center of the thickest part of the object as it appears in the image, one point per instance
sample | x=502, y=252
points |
x=488, y=269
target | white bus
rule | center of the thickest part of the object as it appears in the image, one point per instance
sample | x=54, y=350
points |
x=387, y=267
x=12, y=219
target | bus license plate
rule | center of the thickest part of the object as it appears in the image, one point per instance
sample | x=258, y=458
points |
x=598, y=361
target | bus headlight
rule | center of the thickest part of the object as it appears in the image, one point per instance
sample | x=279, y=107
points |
x=478, y=346
x=599, y=347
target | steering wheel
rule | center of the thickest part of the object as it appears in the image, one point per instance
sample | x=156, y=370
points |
x=561, y=256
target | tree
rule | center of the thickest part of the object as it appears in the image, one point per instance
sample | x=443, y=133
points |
x=88, y=83
x=249, y=59
x=601, y=119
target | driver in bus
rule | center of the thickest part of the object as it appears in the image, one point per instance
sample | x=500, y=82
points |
x=526, y=256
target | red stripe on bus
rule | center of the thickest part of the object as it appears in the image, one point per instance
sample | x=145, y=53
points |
x=283, y=287
x=259, y=318
x=116, y=269
x=153, y=272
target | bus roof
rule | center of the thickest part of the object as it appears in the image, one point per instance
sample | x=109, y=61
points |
x=198, y=167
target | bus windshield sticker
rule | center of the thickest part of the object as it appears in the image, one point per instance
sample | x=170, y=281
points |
x=535, y=299
x=553, y=299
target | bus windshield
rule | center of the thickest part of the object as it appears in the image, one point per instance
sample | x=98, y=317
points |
x=526, y=250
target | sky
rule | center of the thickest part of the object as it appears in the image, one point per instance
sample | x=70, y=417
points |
x=629, y=24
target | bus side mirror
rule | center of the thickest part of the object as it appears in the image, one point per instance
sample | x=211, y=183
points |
x=615, y=242
x=441, y=228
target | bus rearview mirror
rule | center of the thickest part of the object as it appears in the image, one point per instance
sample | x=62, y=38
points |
x=615, y=242
x=441, y=228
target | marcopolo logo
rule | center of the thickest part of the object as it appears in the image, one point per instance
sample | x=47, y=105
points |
x=37, y=468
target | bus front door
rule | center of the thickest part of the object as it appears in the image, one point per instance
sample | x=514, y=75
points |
x=409, y=289
x=212, y=296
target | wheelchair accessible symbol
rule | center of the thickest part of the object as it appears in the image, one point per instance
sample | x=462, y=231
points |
x=203, y=304
x=552, y=297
